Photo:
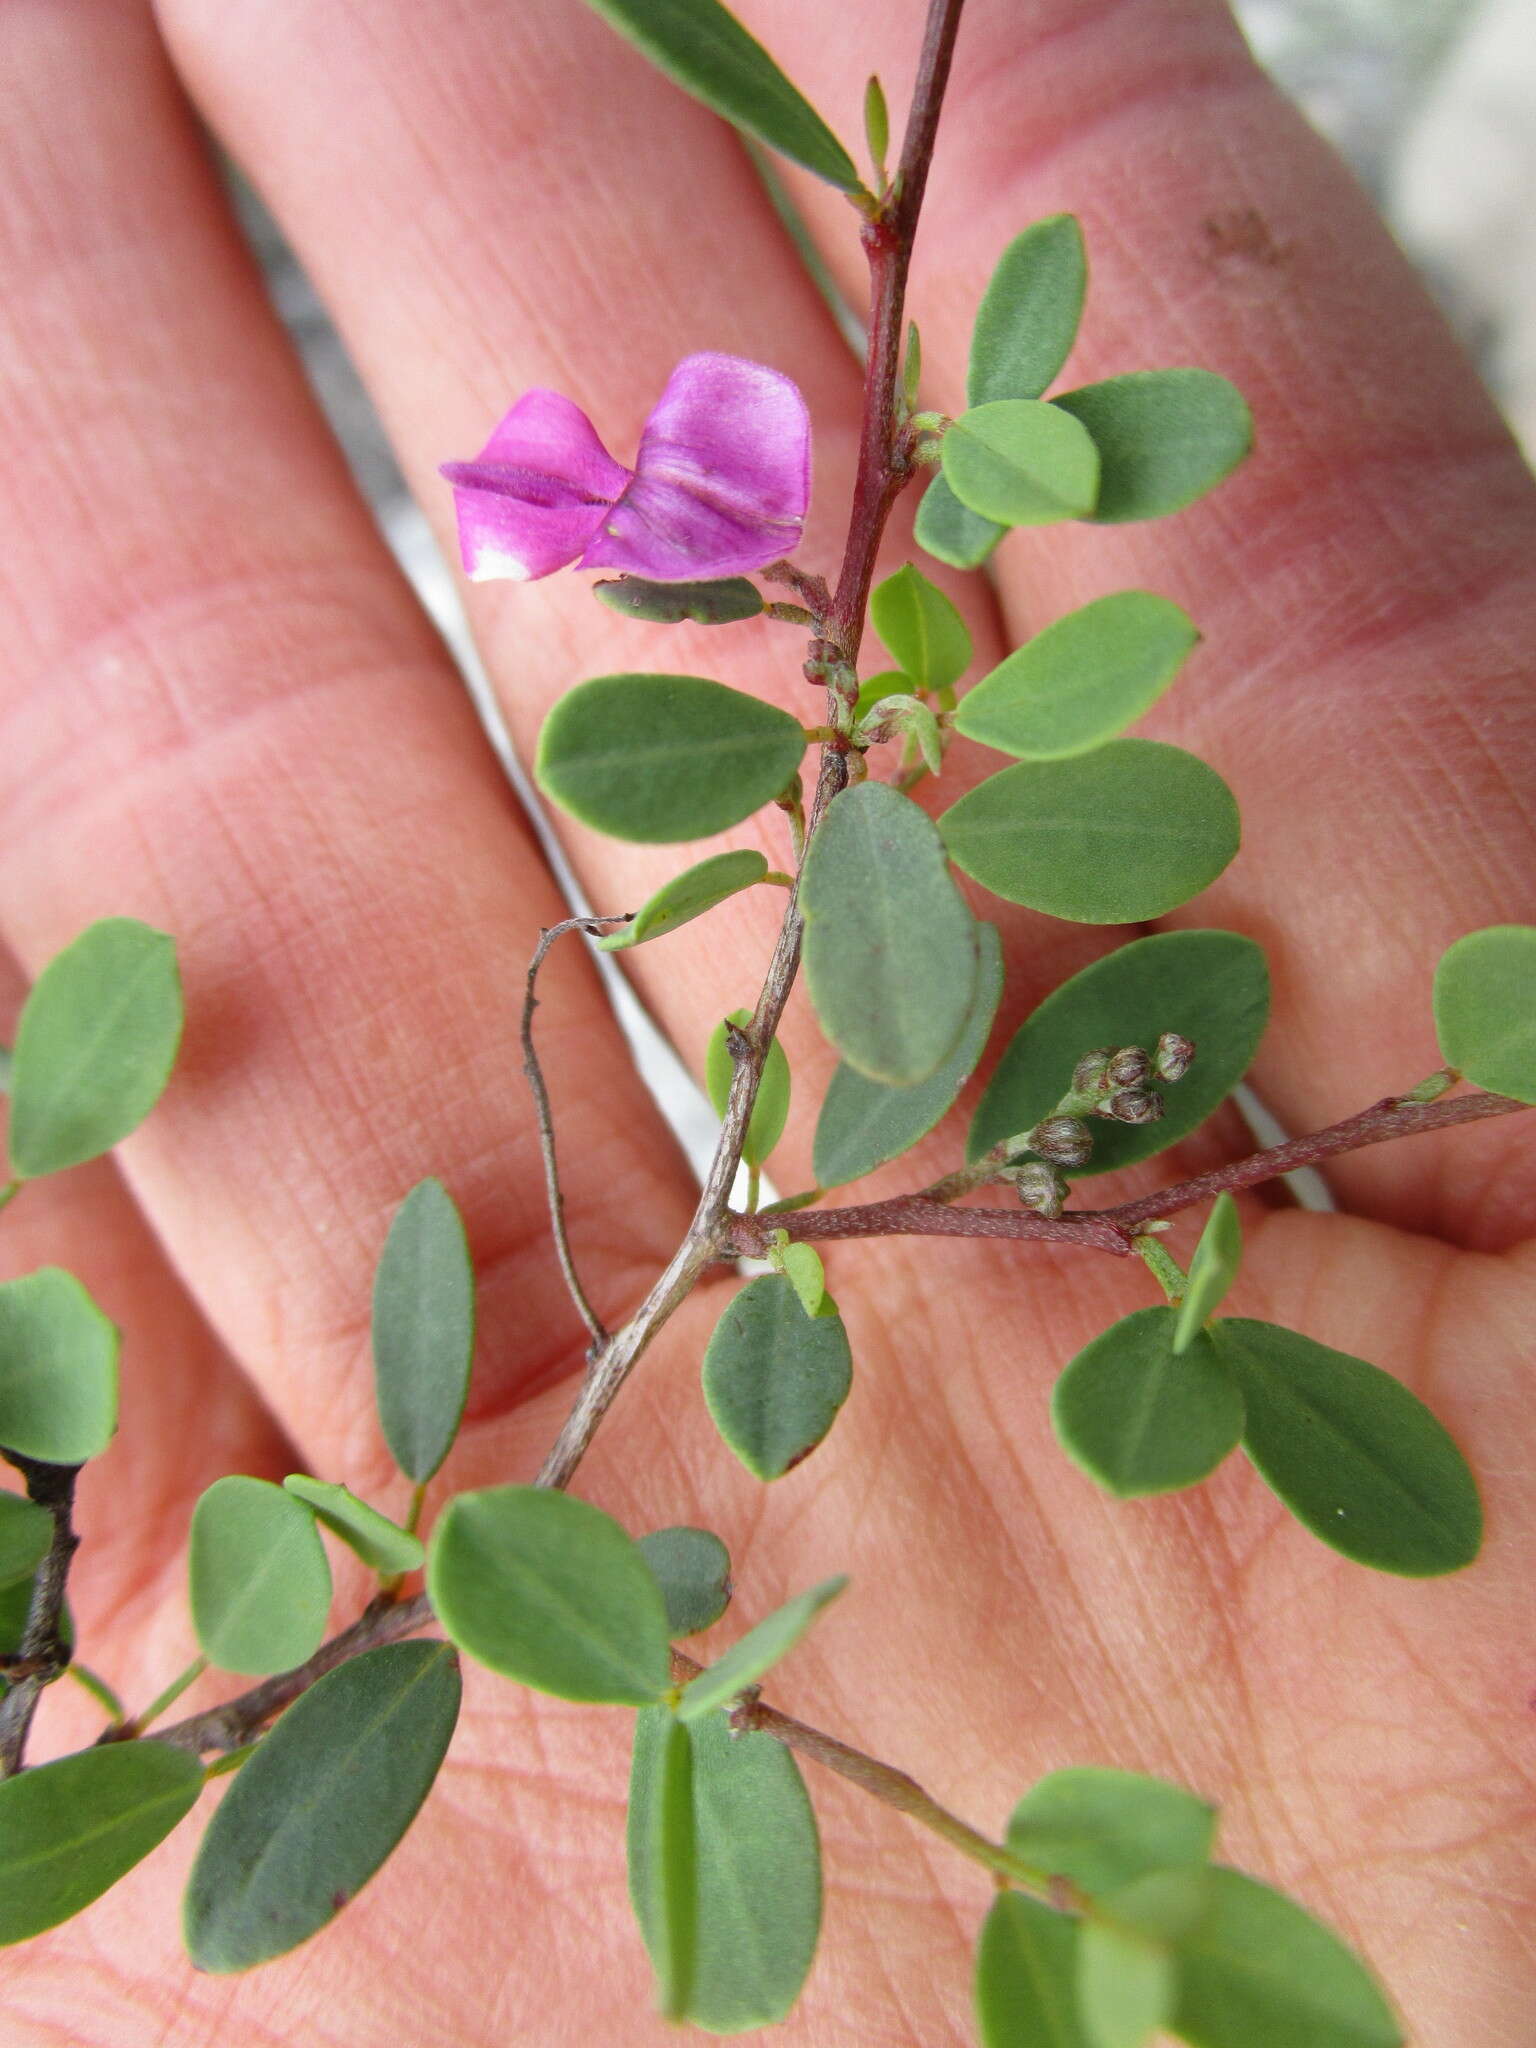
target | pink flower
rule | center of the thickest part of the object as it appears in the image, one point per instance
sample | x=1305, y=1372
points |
x=720, y=484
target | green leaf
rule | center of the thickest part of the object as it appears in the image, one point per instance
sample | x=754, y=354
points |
x=770, y=1112
x=864, y=1123
x=1165, y=438
x=1258, y=1972
x=1211, y=986
x=802, y=1268
x=890, y=948
x=922, y=631
x=1021, y=462
x=423, y=1329
x=756, y=1652
x=1124, y=833
x=952, y=532
x=1026, y=1976
x=877, y=125
x=1082, y=680
x=260, y=1583
x=95, y=1045
x=1354, y=1456
x=1028, y=319
x=1211, y=1271
x=756, y=1869
x=718, y=603
x=658, y=758
x=26, y=1536
x=58, y=1369
x=1104, y=1829
x=1126, y=1984
x=774, y=1378
x=550, y=1591
x=69, y=1830
x=709, y=54
x=1139, y=1418
x=321, y=1805
x=1485, y=1009
x=666, y=1871
x=379, y=1542
x=693, y=1569
x=687, y=896
x=891, y=682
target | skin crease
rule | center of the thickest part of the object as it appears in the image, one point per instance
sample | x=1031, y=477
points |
x=219, y=710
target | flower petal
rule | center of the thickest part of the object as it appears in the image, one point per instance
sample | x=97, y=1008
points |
x=722, y=479
x=537, y=492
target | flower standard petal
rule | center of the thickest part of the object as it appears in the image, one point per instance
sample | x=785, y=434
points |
x=722, y=479
x=536, y=493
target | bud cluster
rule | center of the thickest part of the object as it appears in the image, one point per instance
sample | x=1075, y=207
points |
x=1038, y=1186
x=1117, y=1082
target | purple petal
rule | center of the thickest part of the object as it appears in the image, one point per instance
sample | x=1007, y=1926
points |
x=722, y=479
x=537, y=492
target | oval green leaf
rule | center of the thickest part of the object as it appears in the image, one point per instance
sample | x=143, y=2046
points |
x=1103, y=1829
x=1126, y=1984
x=952, y=532
x=1140, y=1418
x=921, y=629
x=1257, y=1972
x=1211, y=986
x=802, y=1268
x=1028, y=317
x=1082, y=680
x=718, y=603
x=380, y=1543
x=709, y=54
x=550, y=1591
x=69, y=1830
x=1124, y=833
x=890, y=947
x=322, y=1803
x=687, y=896
x=658, y=758
x=1211, y=1271
x=95, y=1045
x=1165, y=438
x=423, y=1329
x=1356, y=1458
x=58, y=1369
x=26, y=1536
x=864, y=1123
x=1011, y=461
x=756, y=1869
x=1485, y=1009
x=260, y=1583
x=663, y=1865
x=774, y=1377
x=1026, y=1976
x=693, y=1569
x=757, y=1651
x=770, y=1112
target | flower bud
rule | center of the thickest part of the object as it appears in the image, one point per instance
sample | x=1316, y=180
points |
x=1174, y=1057
x=1088, y=1074
x=1064, y=1140
x=1040, y=1187
x=1129, y=1067
x=1134, y=1106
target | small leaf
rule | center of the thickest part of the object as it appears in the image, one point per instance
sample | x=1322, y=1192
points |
x=550, y=1591
x=1211, y=1271
x=770, y=1112
x=687, y=896
x=260, y=1583
x=720, y=602
x=1485, y=1009
x=659, y=758
x=26, y=1536
x=877, y=125
x=1026, y=1976
x=379, y=1542
x=890, y=948
x=756, y=1652
x=95, y=1045
x=913, y=719
x=1126, y=1984
x=952, y=532
x=1082, y=680
x=1028, y=318
x=774, y=1378
x=1258, y=1972
x=912, y=365
x=321, y=1805
x=1165, y=438
x=58, y=1369
x=802, y=1268
x=922, y=631
x=709, y=54
x=1354, y=1456
x=756, y=1869
x=672, y=1877
x=891, y=682
x=1105, y=1829
x=1212, y=986
x=1124, y=833
x=1139, y=1418
x=69, y=1830
x=1011, y=461
x=693, y=1569
x=423, y=1329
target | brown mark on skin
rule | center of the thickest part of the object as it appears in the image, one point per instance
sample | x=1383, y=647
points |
x=1240, y=249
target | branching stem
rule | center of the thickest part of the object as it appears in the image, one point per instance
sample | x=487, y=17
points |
x=43, y=1655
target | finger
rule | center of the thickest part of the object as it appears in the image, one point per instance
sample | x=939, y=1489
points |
x=223, y=713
